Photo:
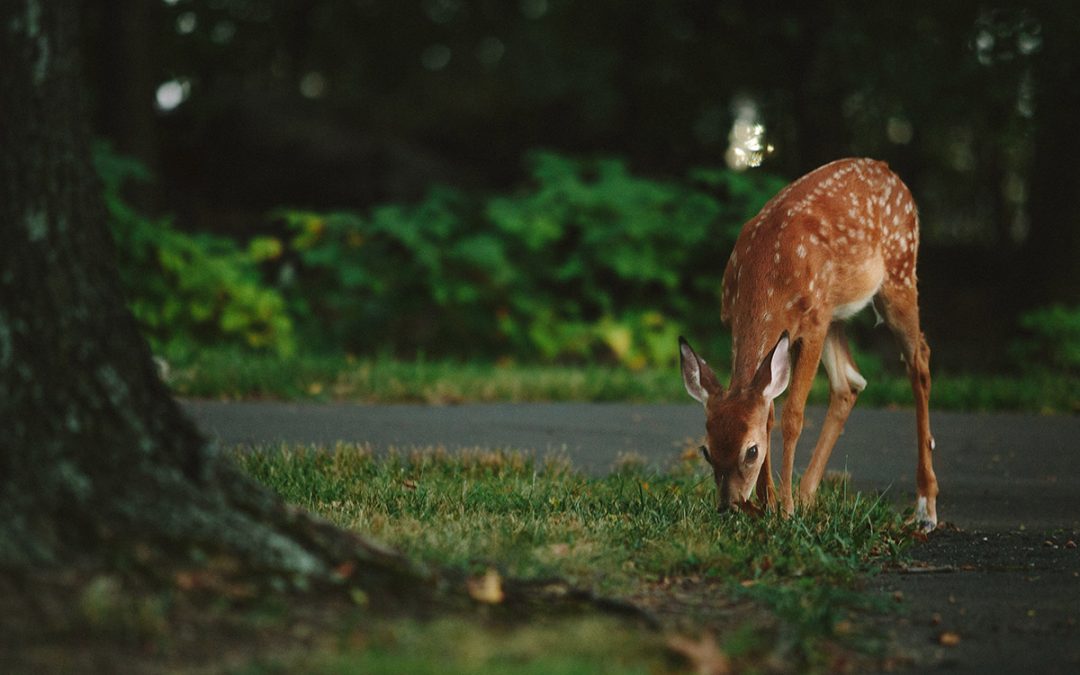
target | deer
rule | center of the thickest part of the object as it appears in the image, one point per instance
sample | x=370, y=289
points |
x=832, y=242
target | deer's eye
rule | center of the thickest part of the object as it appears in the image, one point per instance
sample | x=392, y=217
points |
x=705, y=454
x=751, y=454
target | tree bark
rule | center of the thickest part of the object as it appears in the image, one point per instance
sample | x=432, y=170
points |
x=95, y=454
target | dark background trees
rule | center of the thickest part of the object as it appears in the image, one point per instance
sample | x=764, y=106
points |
x=243, y=106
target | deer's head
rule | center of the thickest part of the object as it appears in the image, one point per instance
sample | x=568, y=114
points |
x=736, y=419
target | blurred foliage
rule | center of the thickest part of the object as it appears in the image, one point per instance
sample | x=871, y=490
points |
x=1051, y=340
x=588, y=261
x=243, y=106
x=188, y=290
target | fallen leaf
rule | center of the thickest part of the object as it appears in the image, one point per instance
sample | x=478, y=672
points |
x=949, y=639
x=1070, y=544
x=185, y=580
x=559, y=550
x=345, y=569
x=409, y=484
x=704, y=656
x=486, y=589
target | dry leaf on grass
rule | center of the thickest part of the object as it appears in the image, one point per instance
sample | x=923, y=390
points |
x=949, y=639
x=486, y=589
x=704, y=656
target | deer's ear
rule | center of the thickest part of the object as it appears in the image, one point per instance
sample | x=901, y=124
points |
x=698, y=377
x=774, y=372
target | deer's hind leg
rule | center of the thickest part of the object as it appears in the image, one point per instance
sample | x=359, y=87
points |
x=845, y=383
x=898, y=304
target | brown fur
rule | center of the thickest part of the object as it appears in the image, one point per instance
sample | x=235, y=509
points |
x=826, y=245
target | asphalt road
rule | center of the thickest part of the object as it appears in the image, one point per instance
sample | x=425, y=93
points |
x=999, y=574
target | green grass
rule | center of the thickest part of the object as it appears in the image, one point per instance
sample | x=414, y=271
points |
x=634, y=534
x=454, y=646
x=238, y=375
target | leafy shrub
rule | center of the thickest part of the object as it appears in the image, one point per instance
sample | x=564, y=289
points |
x=1052, y=339
x=587, y=261
x=416, y=277
x=185, y=290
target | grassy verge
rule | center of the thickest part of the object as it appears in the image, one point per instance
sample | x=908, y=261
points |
x=235, y=375
x=772, y=590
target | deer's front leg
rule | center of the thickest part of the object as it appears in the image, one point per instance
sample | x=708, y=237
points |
x=791, y=421
x=766, y=491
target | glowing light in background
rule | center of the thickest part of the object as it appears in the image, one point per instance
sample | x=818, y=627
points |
x=1025, y=95
x=746, y=140
x=899, y=130
x=186, y=23
x=313, y=84
x=1001, y=35
x=222, y=32
x=534, y=9
x=171, y=94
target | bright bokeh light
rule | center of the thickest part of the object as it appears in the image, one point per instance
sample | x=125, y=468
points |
x=746, y=140
x=186, y=23
x=171, y=94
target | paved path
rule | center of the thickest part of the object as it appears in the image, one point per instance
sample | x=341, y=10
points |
x=1010, y=484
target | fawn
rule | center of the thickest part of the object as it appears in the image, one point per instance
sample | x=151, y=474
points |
x=818, y=252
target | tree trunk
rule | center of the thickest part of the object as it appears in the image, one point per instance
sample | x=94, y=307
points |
x=95, y=454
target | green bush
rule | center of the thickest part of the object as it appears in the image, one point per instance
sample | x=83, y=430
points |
x=588, y=261
x=412, y=277
x=1051, y=340
x=189, y=291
